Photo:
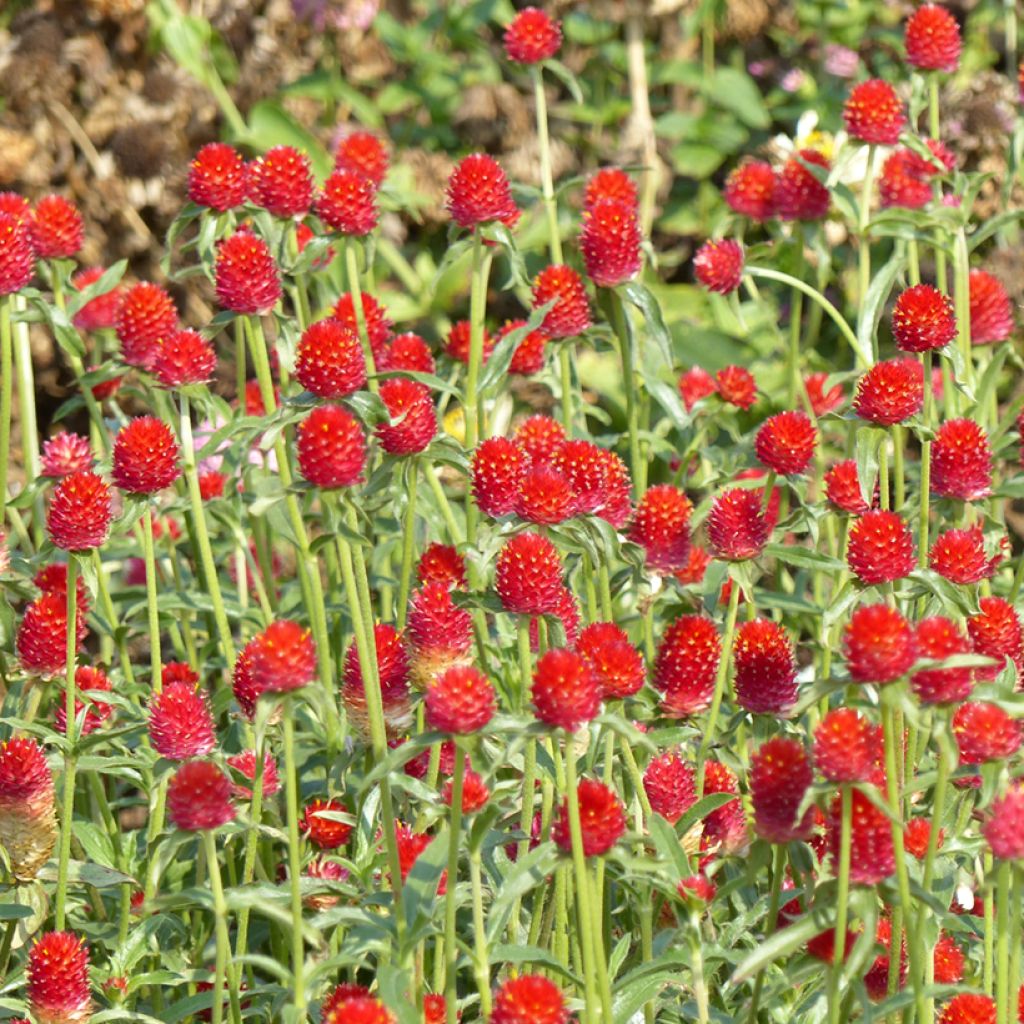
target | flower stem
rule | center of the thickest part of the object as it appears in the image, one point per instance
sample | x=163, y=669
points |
x=477, y=311
x=451, y=948
x=294, y=861
x=796, y=309
x=480, y=956
x=412, y=474
x=924, y=497
x=252, y=838
x=224, y=970
x=27, y=410
x=623, y=328
x=352, y=272
x=70, y=754
x=155, y=662
x=962, y=304
x=774, y=898
x=863, y=242
x=6, y=394
x=1003, y=879
x=842, y=899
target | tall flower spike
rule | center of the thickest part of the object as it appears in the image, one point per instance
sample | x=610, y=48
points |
x=737, y=526
x=331, y=448
x=961, y=461
x=765, y=667
x=570, y=314
x=565, y=692
x=846, y=746
x=56, y=228
x=217, y=177
x=413, y=417
x=496, y=471
x=923, y=319
x=661, y=527
x=185, y=357
x=879, y=644
x=881, y=548
x=348, y=203
x=282, y=658
x=670, y=785
x=146, y=316
x=281, y=182
x=991, y=310
x=780, y=774
x=528, y=575
x=41, y=637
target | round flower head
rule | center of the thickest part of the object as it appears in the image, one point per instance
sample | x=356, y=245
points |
x=440, y=633
x=617, y=507
x=968, y=1008
x=591, y=475
x=325, y=833
x=410, y=352
x=822, y=401
x=529, y=999
x=147, y=316
x=100, y=312
x=879, y=644
x=780, y=774
x=528, y=575
x=330, y=361
x=17, y=260
x=961, y=461
x=96, y=711
x=610, y=242
x=545, y=496
x=80, y=512
x=765, y=668
x=565, y=692
x=570, y=314
x=331, y=447
x=497, y=470
x=282, y=657
x=475, y=793
x=281, y=181
x=478, y=192
x=610, y=183
x=846, y=746
x=661, y=527
x=923, y=319
x=696, y=384
x=602, y=819
x=996, y=632
x=364, y=153
x=932, y=39
x=57, y=979
x=459, y=339
x=245, y=764
x=217, y=177
x=881, y=548
x=991, y=311
x=718, y=266
x=185, y=357
x=901, y=184
x=540, y=437
x=180, y=722
x=890, y=392
x=616, y=664
x=842, y=485
x=56, y=228
x=245, y=275
x=960, y=556
x=686, y=665
x=348, y=204
x=358, y=1010
x=443, y=564
x=145, y=456
x=736, y=385
x=393, y=672
x=737, y=526
x=985, y=732
x=799, y=195
x=567, y=613
x=750, y=190
x=532, y=36
x=872, y=857
x=40, y=641
x=199, y=797
x=378, y=325
x=460, y=701
x=874, y=114
x=28, y=823
x=528, y=357
x=785, y=442
x=413, y=416
x=937, y=639
x=670, y=785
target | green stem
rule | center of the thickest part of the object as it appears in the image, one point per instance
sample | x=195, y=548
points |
x=451, y=949
x=842, y=899
x=623, y=328
x=70, y=754
x=796, y=309
x=924, y=496
x=863, y=242
x=1003, y=877
x=477, y=312
x=962, y=303
x=899, y=479
x=252, y=837
x=223, y=969
x=6, y=395
x=408, y=539
x=27, y=411
x=155, y=663
x=481, y=966
x=294, y=862
x=108, y=610
x=774, y=898
x=352, y=272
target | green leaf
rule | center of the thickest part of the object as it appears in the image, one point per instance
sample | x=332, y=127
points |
x=527, y=873
x=667, y=844
x=871, y=310
x=868, y=440
x=566, y=77
x=782, y=943
x=106, y=282
x=737, y=92
x=270, y=125
x=498, y=363
x=642, y=297
x=803, y=558
x=507, y=954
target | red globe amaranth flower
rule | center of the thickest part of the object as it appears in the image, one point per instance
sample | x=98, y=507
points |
x=145, y=456
x=565, y=692
x=53, y=579
x=750, y=190
x=497, y=470
x=17, y=260
x=822, y=401
x=879, y=644
x=996, y=632
x=960, y=557
x=590, y=475
x=28, y=822
x=540, y=438
x=661, y=527
x=696, y=566
x=528, y=575
x=281, y=658
x=410, y=845
x=765, y=668
x=874, y=114
x=881, y=548
x=475, y=793
x=326, y=833
x=407, y=351
x=968, y=1008
x=1004, y=827
x=441, y=562
x=364, y=153
x=916, y=836
x=281, y=182
x=985, y=732
x=105, y=389
x=457, y=343
x=528, y=357
x=799, y=195
x=737, y=526
x=937, y=639
x=57, y=979
x=947, y=960
x=359, y=1010
x=178, y=672
x=932, y=39
x=378, y=324
x=393, y=672
x=532, y=36
x=570, y=314
x=670, y=785
x=923, y=319
x=846, y=746
x=991, y=311
x=245, y=764
x=331, y=447
x=780, y=774
x=41, y=637
x=56, y=228
x=785, y=442
x=460, y=701
x=610, y=242
x=686, y=665
x=97, y=711
x=961, y=461
x=842, y=485
x=872, y=857
x=602, y=819
x=348, y=204
x=696, y=383
x=618, y=505
x=901, y=183
x=439, y=632
x=718, y=266
x=545, y=496
x=890, y=392
x=245, y=274
x=736, y=386
x=478, y=192
x=567, y=612
x=217, y=177
x=80, y=512
x=185, y=357
x=610, y=183
x=147, y=316
x=329, y=361
x=199, y=797
x=726, y=827
x=529, y=999
x=413, y=417
x=616, y=664
x=211, y=484
x=180, y=722
x=98, y=313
